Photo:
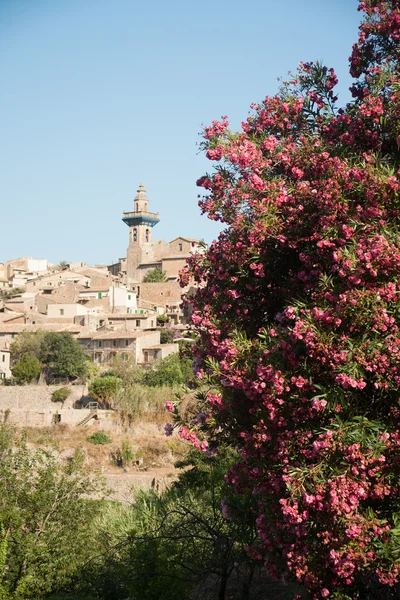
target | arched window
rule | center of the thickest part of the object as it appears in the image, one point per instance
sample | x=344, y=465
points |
x=135, y=235
x=147, y=235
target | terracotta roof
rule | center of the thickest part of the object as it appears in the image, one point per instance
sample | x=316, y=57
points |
x=160, y=346
x=98, y=288
x=93, y=272
x=181, y=237
x=121, y=335
x=20, y=327
x=124, y=316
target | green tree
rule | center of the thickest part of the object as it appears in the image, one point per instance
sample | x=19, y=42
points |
x=63, y=265
x=167, y=336
x=169, y=545
x=169, y=371
x=26, y=369
x=45, y=523
x=27, y=342
x=63, y=355
x=162, y=319
x=105, y=388
x=156, y=275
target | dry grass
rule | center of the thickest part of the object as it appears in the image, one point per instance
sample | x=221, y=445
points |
x=146, y=439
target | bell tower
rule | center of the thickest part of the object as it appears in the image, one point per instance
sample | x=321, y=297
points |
x=140, y=223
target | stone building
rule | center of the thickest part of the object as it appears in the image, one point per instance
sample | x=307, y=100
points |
x=143, y=254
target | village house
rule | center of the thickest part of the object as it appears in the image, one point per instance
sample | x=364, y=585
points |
x=5, y=371
x=47, y=283
x=143, y=346
x=10, y=331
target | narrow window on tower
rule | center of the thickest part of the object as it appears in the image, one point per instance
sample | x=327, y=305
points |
x=147, y=235
x=135, y=235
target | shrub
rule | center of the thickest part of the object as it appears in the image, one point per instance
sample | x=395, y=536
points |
x=166, y=336
x=169, y=371
x=299, y=318
x=156, y=275
x=26, y=369
x=61, y=394
x=98, y=438
x=162, y=319
x=105, y=388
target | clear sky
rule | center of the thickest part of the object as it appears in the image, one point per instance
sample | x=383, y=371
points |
x=98, y=95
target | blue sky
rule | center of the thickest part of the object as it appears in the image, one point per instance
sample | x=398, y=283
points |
x=98, y=95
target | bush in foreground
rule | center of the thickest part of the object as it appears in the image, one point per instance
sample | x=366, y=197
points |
x=299, y=319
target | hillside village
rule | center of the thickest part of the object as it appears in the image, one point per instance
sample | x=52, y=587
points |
x=112, y=310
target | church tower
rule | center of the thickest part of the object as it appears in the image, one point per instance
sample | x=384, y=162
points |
x=140, y=223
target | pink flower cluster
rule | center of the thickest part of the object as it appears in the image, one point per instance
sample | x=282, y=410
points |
x=298, y=319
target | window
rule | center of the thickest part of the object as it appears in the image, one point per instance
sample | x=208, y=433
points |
x=135, y=235
x=147, y=235
x=192, y=244
x=125, y=356
x=110, y=322
x=137, y=322
x=180, y=247
x=4, y=358
x=129, y=296
x=155, y=354
x=99, y=358
x=47, y=306
x=99, y=344
x=34, y=283
x=12, y=336
x=99, y=295
x=61, y=312
x=19, y=272
x=126, y=342
x=2, y=375
x=152, y=324
x=114, y=343
x=101, y=322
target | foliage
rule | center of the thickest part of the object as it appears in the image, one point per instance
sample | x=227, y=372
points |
x=27, y=343
x=63, y=355
x=99, y=438
x=127, y=370
x=299, y=318
x=26, y=369
x=63, y=265
x=45, y=524
x=136, y=401
x=156, y=275
x=92, y=370
x=105, y=388
x=164, y=546
x=61, y=394
x=59, y=353
x=127, y=454
x=10, y=293
x=162, y=319
x=167, y=336
x=169, y=371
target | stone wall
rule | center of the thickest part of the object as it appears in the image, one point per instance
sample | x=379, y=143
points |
x=31, y=405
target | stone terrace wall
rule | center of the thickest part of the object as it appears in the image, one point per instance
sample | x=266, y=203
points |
x=37, y=397
x=31, y=405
